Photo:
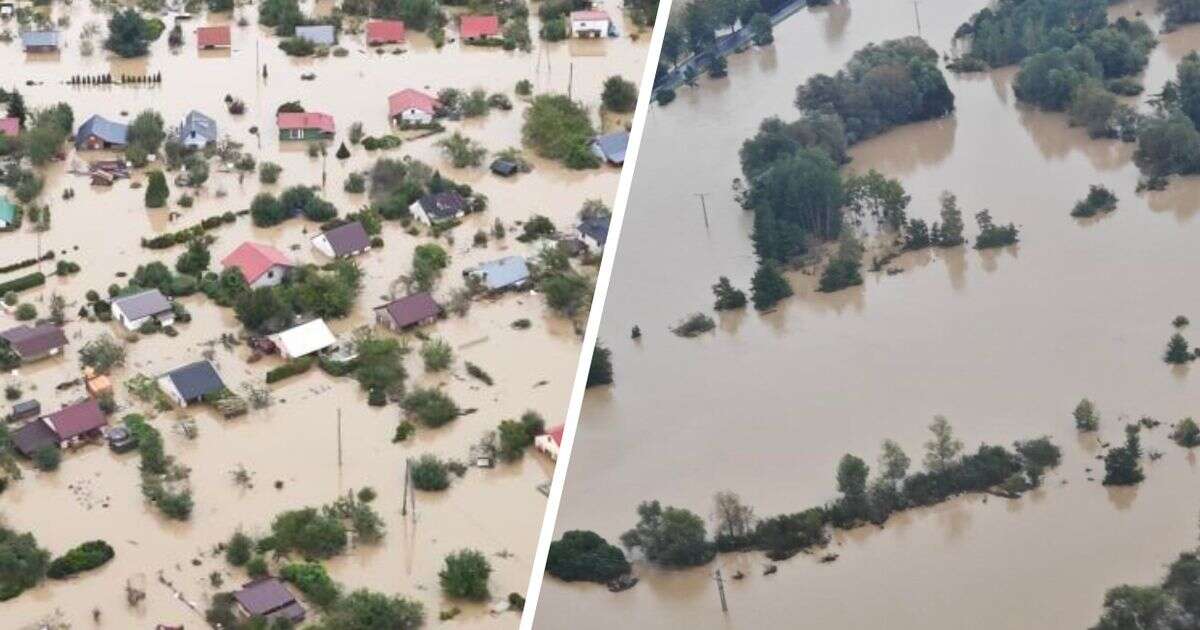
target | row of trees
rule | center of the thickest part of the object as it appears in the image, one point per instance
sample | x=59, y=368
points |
x=676, y=537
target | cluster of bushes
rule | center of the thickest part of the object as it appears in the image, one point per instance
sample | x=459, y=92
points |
x=189, y=234
x=90, y=555
x=24, y=563
x=22, y=283
x=266, y=210
x=289, y=369
x=517, y=435
x=558, y=128
x=1099, y=199
x=328, y=292
x=164, y=483
x=431, y=407
x=323, y=533
x=585, y=556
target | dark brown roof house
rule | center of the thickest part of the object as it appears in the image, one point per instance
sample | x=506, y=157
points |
x=268, y=598
x=413, y=310
x=350, y=239
x=31, y=344
x=67, y=426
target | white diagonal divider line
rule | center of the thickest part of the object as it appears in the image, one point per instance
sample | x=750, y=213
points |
x=533, y=592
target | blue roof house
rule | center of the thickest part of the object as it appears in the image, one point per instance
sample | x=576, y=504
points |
x=191, y=383
x=509, y=272
x=197, y=131
x=99, y=132
x=611, y=147
x=321, y=35
x=39, y=41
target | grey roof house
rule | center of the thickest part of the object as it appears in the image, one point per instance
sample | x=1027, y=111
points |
x=439, y=207
x=31, y=344
x=191, y=383
x=509, y=272
x=198, y=130
x=411, y=310
x=268, y=598
x=99, y=132
x=611, y=147
x=39, y=41
x=350, y=239
x=137, y=309
x=321, y=34
x=593, y=232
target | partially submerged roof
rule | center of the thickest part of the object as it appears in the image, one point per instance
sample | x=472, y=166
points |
x=556, y=434
x=472, y=26
x=255, y=259
x=596, y=228
x=77, y=419
x=385, y=32
x=8, y=210
x=10, y=126
x=39, y=39
x=502, y=273
x=443, y=205
x=144, y=304
x=305, y=120
x=212, y=36
x=32, y=437
x=107, y=130
x=612, y=146
x=265, y=596
x=195, y=380
x=347, y=239
x=411, y=309
x=306, y=339
x=196, y=123
x=35, y=341
x=589, y=16
x=409, y=98
x=322, y=34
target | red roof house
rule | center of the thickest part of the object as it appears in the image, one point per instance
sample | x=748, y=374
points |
x=77, y=421
x=261, y=265
x=213, y=36
x=472, y=27
x=550, y=442
x=385, y=32
x=10, y=127
x=409, y=105
x=304, y=125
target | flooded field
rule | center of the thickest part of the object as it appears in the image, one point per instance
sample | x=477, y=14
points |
x=1004, y=344
x=294, y=444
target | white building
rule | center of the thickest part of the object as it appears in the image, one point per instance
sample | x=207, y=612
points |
x=590, y=24
x=134, y=311
x=304, y=339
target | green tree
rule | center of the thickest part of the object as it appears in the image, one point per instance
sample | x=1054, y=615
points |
x=601, y=370
x=768, y=287
x=762, y=32
x=437, y=355
x=943, y=450
x=727, y=297
x=619, y=94
x=147, y=132
x=1086, y=416
x=156, y=190
x=852, y=473
x=22, y=563
x=1121, y=464
x=432, y=407
x=365, y=610
x=558, y=128
x=309, y=532
x=1136, y=607
x=1186, y=433
x=1178, y=352
x=584, y=555
x=465, y=575
x=429, y=473
x=239, y=549
x=196, y=259
x=672, y=537
x=893, y=462
x=128, y=34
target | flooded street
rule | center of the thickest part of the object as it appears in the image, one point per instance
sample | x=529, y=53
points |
x=1003, y=343
x=294, y=444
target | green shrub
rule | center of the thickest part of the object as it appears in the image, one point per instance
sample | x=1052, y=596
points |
x=289, y=369
x=431, y=407
x=29, y=281
x=430, y=473
x=239, y=549
x=90, y=555
x=312, y=580
x=465, y=575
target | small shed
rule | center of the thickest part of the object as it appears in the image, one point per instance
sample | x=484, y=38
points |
x=304, y=339
x=24, y=410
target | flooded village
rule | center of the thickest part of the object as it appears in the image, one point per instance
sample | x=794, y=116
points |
x=384, y=271
x=1002, y=342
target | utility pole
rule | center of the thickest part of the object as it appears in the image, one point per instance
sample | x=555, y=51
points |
x=703, y=208
x=404, y=501
x=721, y=591
x=339, y=437
x=917, y=12
x=570, y=79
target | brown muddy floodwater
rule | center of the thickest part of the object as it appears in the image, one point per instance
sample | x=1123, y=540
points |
x=95, y=494
x=1004, y=344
